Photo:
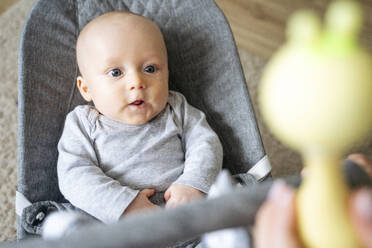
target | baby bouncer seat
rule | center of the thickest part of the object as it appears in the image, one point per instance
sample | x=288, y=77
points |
x=203, y=63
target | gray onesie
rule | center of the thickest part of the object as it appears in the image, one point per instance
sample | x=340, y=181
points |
x=103, y=164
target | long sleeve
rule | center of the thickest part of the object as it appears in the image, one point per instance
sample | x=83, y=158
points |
x=80, y=178
x=203, y=150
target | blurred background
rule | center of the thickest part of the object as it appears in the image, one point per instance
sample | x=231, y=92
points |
x=259, y=29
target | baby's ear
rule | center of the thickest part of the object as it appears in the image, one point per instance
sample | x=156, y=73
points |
x=83, y=88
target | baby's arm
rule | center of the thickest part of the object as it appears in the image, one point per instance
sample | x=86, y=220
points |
x=81, y=180
x=203, y=151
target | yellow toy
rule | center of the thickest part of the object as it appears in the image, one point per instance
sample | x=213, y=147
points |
x=316, y=97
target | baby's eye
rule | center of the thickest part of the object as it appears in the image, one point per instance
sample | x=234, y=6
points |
x=150, y=69
x=116, y=72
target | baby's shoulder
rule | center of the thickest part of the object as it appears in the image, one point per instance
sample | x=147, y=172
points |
x=176, y=99
x=83, y=113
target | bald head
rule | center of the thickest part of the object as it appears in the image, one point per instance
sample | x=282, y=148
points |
x=115, y=25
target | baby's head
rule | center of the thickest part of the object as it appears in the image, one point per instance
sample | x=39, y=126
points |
x=124, y=67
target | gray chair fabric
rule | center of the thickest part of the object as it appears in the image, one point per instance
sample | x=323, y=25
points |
x=203, y=62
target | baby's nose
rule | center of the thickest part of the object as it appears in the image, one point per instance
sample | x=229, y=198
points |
x=136, y=83
x=138, y=87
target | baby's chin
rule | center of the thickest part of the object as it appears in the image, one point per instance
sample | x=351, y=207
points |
x=137, y=117
x=136, y=120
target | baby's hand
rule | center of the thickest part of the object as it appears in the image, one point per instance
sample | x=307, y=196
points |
x=141, y=202
x=178, y=194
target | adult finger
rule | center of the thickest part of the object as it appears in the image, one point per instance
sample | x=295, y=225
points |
x=358, y=158
x=361, y=215
x=277, y=218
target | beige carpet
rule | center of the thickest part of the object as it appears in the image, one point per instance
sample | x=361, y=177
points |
x=11, y=23
x=283, y=160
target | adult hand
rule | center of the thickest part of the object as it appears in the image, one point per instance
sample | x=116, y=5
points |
x=363, y=161
x=276, y=221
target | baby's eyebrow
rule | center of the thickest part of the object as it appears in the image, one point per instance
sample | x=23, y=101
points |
x=111, y=60
x=155, y=58
x=153, y=55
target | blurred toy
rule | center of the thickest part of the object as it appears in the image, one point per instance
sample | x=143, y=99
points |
x=316, y=97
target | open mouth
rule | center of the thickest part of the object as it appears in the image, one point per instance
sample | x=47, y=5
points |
x=138, y=103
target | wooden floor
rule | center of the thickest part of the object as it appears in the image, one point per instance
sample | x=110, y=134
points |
x=5, y=4
x=259, y=25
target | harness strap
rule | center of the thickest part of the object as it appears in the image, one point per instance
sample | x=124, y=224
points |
x=261, y=168
x=21, y=203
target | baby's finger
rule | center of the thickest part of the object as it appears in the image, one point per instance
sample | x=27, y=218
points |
x=148, y=192
x=167, y=195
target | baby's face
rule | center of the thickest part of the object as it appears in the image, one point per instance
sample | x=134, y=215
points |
x=124, y=65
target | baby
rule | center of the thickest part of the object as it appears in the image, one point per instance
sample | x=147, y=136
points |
x=139, y=138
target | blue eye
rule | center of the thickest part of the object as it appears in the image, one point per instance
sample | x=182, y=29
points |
x=116, y=72
x=150, y=69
